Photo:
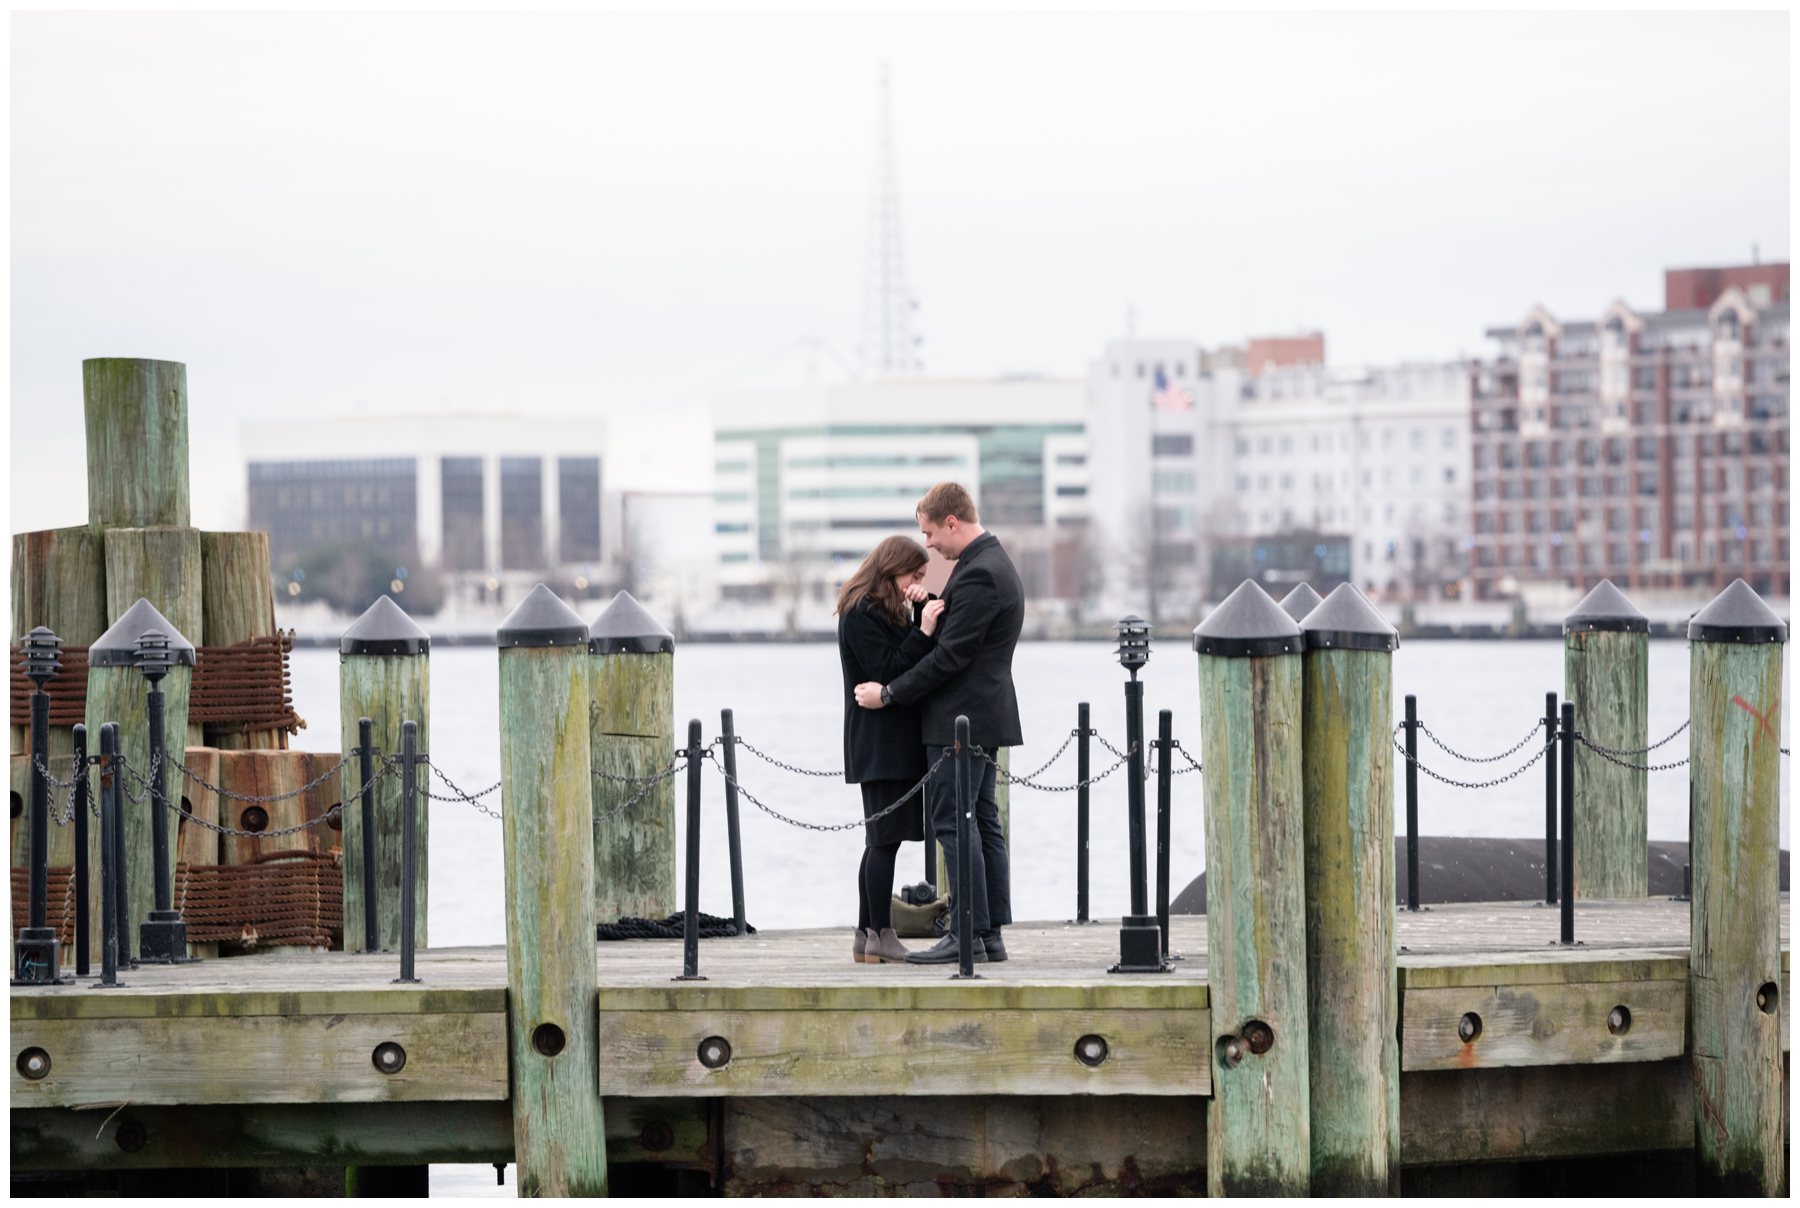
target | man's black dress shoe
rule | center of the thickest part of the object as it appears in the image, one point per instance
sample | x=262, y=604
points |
x=945, y=952
x=996, y=951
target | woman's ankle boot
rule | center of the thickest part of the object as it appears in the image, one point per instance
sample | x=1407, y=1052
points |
x=859, y=955
x=884, y=947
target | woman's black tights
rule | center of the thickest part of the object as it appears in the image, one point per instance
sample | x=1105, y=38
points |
x=875, y=887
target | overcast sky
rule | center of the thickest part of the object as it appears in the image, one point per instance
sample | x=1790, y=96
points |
x=615, y=214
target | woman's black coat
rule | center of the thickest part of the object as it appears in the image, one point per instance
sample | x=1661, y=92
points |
x=879, y=744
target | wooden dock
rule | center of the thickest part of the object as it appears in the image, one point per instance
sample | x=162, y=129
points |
x=834, y=1067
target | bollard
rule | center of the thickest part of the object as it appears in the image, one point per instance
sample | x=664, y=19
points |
x=1299, y=602
x=1353, y=1004
x=37, y=952
x=137, y=443
x=409, y=846
x=1165, y=749
x=79, y=808
x=110, y=781
x=1606, y=661
x=1083, y=731
x=1140, y=943
x=115, y=693
x=1566, y=738
x=728, y=732
x=162, y=937
x=1550, y=721
x=559, y=1137
x=631, y=669
x=384, y=676
x=1258, y=1139
x=690, y=911
x=1412, y=802
x=965, y=845
x=1734, y=962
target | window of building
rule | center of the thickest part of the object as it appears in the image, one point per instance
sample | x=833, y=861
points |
x=521, y=513
x=1172, y=444
x=578, y=509
x=461, y=482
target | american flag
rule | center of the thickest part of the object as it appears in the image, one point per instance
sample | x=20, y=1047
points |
x=1170, y=398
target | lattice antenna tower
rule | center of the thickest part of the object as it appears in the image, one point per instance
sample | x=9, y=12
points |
x=890, y=348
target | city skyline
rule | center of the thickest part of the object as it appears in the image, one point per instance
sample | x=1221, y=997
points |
x=341, y=237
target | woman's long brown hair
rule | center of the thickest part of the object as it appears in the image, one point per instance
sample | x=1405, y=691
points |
x=874, y=579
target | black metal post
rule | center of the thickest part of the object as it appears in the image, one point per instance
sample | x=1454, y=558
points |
x=80, y=809
x=162, y=937
x=110, y=821
x=1165, y=747
x=965, y=845
x=121, y=895
x=1568, y=823
x=365, y=739
x=1083, y=729
x=1412, y=802
x=409, y=838
x=690, y=931
x=1134, y=794
x=728, y=732
x=37, y=952
x=1549, y=801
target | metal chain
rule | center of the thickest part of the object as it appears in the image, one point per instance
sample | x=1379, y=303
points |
x=65, y=815
x=1073, y=735
x=458, y=793
x=786, y=767
x=143, y=781
x=1120, y=754
x=1536, y=729
x=1193, y=764
x=1476, y=784
x=216, y=828
x=653, y=778
x=228, y=795
x=1053, y=788
x=843, y=826
x=1636, y=750
x=649, y=782
x=1636, y=767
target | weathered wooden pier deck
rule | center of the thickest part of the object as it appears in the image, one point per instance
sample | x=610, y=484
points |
x=835, y=1068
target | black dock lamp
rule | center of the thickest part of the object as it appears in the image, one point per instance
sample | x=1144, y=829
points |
x=162, y=938
x=1140, y=939
x=37, y=953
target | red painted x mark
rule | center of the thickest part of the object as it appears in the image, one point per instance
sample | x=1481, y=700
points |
x=1765, y=722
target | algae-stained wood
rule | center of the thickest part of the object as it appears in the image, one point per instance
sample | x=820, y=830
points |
x=119, y=694
x=1567, y=1023
x=388, y=690
x=1353, y=998
x=237, y=604
x=200, y=802
x=963, y=1145
x=1606, y=677
x=979, y=1051
x=545, y=734
x=161, y=565
x=59, y=582
x=267, y=775
x=1258, y=1132
x=262, y=1059
x=137, y=444
x=633, y=736
x=1735, y=778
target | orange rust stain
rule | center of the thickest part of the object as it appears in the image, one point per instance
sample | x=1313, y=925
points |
x=1465, y=1058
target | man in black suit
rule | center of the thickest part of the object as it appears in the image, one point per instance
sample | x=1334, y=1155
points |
x=968, y=672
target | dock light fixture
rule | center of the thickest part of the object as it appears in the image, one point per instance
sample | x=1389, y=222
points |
x=37, y=953
x=1140, y=936
x=162, y=938
x=1134, y=643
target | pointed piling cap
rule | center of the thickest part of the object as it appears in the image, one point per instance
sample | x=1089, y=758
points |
x=1302, y=600
x=1248, y=624
x=118, y=646
x=1736, y=614
x=384, y=628
x=542, y=619
x=626, y=628
x=1345, y=620
x=1606, y=610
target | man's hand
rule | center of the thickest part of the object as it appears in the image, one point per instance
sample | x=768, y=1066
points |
x=928, y=619
x=869, y=695
x=917, y=593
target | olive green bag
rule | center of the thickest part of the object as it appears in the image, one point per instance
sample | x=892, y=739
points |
x=916, y=922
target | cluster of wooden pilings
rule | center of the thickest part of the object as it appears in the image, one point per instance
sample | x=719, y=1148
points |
x=1300, y=880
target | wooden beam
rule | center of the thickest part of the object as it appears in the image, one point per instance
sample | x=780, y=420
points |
x=137, y=445
x=1548, y=1024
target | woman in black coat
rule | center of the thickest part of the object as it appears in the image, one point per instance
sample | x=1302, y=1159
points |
x=883, y=749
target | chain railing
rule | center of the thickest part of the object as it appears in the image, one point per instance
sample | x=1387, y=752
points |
x=1614, y=758
x=827, y=828
x=1536, y=729
x=252, y=799
x=1475, y=784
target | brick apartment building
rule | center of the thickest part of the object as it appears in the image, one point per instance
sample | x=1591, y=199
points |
x=1648, y=448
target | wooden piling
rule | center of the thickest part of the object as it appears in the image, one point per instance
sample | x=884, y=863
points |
x=1734, y=957
x=161, y=565
x=551, y=974
x=384, y=674
x=237, y=604
x=1353, y=1002
x=631, y=660
x=1606, y=675
x=1258, y=1135
x=137, y=443
x=116, y=691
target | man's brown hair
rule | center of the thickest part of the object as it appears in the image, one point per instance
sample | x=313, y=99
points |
x=948, y=499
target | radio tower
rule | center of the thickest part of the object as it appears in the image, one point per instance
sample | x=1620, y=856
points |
x=889, y=347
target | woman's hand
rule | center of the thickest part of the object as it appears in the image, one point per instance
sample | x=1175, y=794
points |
x=928, y=619
x=917, y=593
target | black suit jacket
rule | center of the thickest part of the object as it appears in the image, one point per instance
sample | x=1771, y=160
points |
x=969, y=670
x=879, y=744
